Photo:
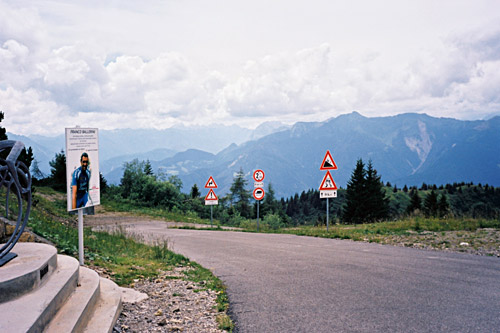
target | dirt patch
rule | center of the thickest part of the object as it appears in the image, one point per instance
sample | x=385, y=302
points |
x=484, y=242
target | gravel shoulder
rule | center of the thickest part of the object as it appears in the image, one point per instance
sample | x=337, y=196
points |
x=483, y=242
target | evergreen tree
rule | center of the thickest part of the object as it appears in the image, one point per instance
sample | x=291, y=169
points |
x=354, y=211
x=195, y=192
x=377, y=204
x=269, y=205
x=431, y=204
x=240, y=196
x=58, y=171
x=415, y=202
x=443, y=206
x=103, y=183
x=148, y=169
x=26, y=157
x=365, y=196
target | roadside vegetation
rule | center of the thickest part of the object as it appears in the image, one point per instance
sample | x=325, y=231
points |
x=117, y=255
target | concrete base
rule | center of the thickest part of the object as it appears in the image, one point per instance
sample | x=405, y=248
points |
x=43, y=291
x=7, y=258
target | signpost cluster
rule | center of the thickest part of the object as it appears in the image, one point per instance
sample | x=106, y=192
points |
x=211, y=198
x=328, y=188
x=258, y=192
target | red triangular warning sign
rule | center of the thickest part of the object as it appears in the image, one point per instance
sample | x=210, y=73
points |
x=210, y=183
x=211, y=195
x=328, y=184
x=328, y=162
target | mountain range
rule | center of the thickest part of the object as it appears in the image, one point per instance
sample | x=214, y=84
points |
x=407, y=149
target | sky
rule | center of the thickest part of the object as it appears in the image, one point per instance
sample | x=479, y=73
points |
x=163, y=63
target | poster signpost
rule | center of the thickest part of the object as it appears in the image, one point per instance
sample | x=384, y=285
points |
x=82, y=175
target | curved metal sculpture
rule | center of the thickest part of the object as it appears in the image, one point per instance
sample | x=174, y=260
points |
x=15, y=176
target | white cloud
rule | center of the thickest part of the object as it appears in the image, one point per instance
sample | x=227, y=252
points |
x=315, y=71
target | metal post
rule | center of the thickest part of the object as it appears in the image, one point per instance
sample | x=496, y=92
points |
x=80, y=236
x=327, y=215
x=211, y=215
x=258, y=202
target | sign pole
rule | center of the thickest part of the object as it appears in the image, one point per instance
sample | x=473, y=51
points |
x=258, y=193
x=211, y=215
x=80, y=236
x=327, y=214
x=258, y=204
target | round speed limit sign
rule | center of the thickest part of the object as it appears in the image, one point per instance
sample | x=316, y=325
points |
x=258, y=175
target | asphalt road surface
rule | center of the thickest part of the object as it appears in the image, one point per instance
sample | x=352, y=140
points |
x=286, y=283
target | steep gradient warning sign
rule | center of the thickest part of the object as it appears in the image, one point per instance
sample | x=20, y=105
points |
x=328, y=162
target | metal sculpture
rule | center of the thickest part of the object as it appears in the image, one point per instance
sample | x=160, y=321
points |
x=15, y=177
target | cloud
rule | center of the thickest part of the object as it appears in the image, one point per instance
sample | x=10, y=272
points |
x=75, y=82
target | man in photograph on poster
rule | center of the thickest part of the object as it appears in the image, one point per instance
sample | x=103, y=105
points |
x=80, y=183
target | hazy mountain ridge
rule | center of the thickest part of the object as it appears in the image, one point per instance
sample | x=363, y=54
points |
x=118, y=146
x=405, y=149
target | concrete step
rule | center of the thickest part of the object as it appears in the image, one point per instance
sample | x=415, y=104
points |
x=32, y=312
x=107, y=310
x=77, y=310
x=33, y=265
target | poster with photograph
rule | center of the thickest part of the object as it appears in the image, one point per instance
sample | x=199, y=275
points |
x=82, y=167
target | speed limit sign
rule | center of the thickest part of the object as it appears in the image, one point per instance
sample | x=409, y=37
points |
x=258, y=175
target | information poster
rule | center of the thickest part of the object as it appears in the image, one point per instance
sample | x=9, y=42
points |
x=82, y=167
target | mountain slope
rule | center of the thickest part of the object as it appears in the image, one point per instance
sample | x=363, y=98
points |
x=405, y=149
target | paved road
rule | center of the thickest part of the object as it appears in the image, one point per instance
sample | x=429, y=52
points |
x=286, y=283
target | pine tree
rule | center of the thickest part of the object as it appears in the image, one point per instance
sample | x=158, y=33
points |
x=354, y=211
x=58, y=171
x=148, y=169
x=366, y=200
x=269, y=204
x=195, y=192
x=415, y=202
x=443, y=206
x=103, y=183
x=240, y=196
x=377, y=204
x=431, y=204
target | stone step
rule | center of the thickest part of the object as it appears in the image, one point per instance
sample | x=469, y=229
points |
x=77, y=310
x=33, y=265
x=32, y=312
x=107, y=310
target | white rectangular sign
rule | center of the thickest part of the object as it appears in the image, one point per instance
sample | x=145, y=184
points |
x=258, y=184
x=211, y=202
x=328, y=194
x=82, y=167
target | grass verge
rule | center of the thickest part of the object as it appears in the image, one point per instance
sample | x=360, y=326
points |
x=121, y=257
